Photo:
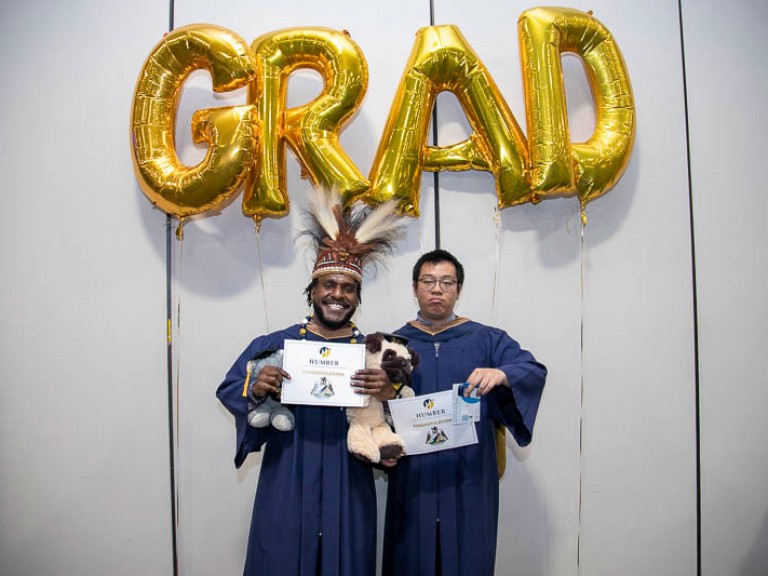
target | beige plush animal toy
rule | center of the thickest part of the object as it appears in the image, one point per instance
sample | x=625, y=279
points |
x=370, y=438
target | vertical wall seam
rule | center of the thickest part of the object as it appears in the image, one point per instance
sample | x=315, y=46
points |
x=435, y=175
x=169, y=360
x=169, y=369
x=580, y=456
x=694, y=288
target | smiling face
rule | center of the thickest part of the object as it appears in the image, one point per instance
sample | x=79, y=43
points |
x=334, y=299
x=436, y=302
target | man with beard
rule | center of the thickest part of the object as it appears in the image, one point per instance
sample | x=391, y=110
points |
x=442, y=507
x=315, y=505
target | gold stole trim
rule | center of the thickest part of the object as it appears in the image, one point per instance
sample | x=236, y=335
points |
x=434, y=330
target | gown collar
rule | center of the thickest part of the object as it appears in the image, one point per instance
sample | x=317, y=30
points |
x=439, y=328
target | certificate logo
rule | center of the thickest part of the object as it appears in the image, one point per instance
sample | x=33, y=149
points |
x=322, y=389
x=429, y=403
x=324, y=359
x=436, y=436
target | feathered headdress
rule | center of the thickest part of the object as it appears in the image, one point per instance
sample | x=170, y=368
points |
x=347, y=240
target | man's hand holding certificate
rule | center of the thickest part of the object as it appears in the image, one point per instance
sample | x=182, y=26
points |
x=427, y=423
x=321, y=373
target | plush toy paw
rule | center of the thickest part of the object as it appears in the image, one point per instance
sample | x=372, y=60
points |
x=390, y=445
x=366, y=453
x=258, y=419
x=389, y=451
x=283, y=422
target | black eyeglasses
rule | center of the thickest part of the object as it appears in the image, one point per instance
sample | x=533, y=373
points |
x=428, y=283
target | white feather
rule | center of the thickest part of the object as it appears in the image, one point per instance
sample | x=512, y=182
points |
x=321, y=205
x=382, y=223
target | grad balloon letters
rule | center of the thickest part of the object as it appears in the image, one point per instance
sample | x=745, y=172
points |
x=246, y=144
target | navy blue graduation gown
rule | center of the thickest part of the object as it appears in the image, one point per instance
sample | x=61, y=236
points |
x=315, y=507
x=447, y=502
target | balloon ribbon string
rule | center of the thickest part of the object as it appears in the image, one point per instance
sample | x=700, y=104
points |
x=497, y=267
x=261, y=278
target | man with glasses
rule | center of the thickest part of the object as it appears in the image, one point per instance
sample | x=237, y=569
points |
x=442, y=507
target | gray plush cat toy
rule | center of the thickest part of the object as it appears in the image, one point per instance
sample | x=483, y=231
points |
x=267, y=410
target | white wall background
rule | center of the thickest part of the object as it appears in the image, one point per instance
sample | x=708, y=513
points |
x=727, y=92
x=610, y=483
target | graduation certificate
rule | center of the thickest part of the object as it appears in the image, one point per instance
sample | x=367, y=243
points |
x=426, y=423
x=321, y=373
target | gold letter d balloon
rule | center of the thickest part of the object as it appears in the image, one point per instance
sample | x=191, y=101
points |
x=246, y=144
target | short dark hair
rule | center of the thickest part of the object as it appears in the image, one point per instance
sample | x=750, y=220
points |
x=439, y=256
x=308, y=291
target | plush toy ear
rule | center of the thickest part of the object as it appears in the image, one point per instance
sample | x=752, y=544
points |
x=373, y=342
x=264, y=354
x=414, y=357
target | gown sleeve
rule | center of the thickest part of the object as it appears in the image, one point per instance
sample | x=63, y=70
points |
x=516, y=407
x=230, y=393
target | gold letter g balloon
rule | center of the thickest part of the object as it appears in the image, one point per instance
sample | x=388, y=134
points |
x=230, y=132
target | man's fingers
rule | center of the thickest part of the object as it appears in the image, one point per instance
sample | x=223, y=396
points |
x=274, y=372
x=468, y=390
x=485, y=379
x=270, y=379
